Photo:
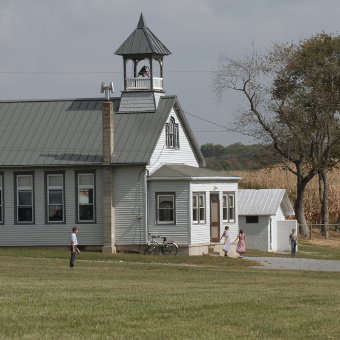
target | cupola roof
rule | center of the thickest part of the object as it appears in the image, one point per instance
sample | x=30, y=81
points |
x=142, y=42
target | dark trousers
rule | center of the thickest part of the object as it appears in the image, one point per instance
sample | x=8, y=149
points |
x=73, y=256
x=293, y=247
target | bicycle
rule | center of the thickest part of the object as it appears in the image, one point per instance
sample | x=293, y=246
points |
x=153, y=247
x=164, y=248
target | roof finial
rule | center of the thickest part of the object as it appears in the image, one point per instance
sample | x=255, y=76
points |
x=142, y=22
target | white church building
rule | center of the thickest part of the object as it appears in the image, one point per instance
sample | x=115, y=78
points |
x=118, y=168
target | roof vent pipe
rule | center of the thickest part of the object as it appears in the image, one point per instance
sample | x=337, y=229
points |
x=107, y=89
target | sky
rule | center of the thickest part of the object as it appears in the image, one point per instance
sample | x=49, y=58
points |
x=57, y=49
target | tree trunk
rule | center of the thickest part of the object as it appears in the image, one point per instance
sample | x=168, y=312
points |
x=302, y=181
x=299, y=206
x=300, y=213
x=324, y=195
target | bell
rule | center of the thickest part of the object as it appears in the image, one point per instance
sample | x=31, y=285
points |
x=143, y=72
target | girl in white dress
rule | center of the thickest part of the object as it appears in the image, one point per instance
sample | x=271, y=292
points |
x=226, y=246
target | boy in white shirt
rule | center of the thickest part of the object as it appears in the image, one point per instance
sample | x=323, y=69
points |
x=74, y=246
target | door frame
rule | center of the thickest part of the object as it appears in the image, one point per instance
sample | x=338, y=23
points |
x=217, y=224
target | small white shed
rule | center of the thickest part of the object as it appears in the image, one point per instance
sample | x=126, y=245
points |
x=262, y=216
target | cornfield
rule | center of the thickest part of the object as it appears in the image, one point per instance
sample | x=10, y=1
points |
x=279, y=178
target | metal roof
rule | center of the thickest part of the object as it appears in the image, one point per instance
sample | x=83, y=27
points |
x=142, y=41
x=263, y=202
x=136, y=134
x=137, y=102
x=50, y=132
x=69, y=132
x=186, y=172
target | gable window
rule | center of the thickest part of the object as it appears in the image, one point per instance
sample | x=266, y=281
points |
x=171, y=131
x=252, y=219
x=55, y=197
x=198, y=208
x=229, y=207
x=1, y=199
x=24, y=198
x=86, y=197
x=165, y=208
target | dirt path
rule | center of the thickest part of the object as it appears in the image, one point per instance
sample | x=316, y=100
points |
x=294, y=263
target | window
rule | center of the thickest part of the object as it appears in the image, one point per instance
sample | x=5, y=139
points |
x=198, y=208
x=229, y=207
x=24, y=198
x=252, y=219
x=1, y=199
x=165, y=208
x=85, y=197
x=55, y=198
x=171, y=131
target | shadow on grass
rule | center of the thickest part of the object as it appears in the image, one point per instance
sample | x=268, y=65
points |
x=204, y=260
x=306, y=250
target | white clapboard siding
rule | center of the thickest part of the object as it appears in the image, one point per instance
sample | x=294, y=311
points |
x=162, y=154
x=8, y=199
x=200, y=233
x=180, y=233
x=257, y=233
x=129, y=205
x=41, y=233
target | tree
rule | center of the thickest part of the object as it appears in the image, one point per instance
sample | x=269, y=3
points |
x=292, y=96
x=219, y=151
x=208, y=150
x=311, y=83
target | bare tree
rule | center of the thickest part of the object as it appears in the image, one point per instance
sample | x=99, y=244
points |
x=292, y=96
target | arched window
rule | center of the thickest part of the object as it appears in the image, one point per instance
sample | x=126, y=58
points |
x=172, y=138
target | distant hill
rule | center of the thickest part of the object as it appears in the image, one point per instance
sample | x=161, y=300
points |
x=236, y=156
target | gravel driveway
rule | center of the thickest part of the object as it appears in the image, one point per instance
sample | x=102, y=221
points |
x=295, y=264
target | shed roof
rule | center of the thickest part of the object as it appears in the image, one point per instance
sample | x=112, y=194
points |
x=142, y=41
x=69, y=132
x=186, y=172
x=263, y=202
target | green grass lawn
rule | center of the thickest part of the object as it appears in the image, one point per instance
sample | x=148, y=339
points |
x=131, y=296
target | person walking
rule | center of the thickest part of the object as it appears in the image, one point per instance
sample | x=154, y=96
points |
x=241, y=244
x=226, y=236
x=74, y=246
x=293, y=242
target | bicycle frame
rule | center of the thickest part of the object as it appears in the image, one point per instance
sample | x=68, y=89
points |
x=164, y=248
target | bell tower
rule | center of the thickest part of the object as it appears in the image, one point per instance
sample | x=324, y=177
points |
x=143, y=54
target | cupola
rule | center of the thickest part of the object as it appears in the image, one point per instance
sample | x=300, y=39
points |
x=143, y=54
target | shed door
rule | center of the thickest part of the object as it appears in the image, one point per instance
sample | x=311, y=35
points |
x=214, y=220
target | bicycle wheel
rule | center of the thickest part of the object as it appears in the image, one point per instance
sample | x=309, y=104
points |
x=149, y=250
x=170, y=249
x=166, y=249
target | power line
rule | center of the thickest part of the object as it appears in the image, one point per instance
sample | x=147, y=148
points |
x=56, y=73
x=89, y=72
x=219, y=125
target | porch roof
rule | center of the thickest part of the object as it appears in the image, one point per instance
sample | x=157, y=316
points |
x=186, y=172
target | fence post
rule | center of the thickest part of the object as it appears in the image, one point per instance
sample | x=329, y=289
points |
x=311, y=228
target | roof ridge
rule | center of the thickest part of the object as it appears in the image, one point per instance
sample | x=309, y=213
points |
x=56, y=100
x=171, y=164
